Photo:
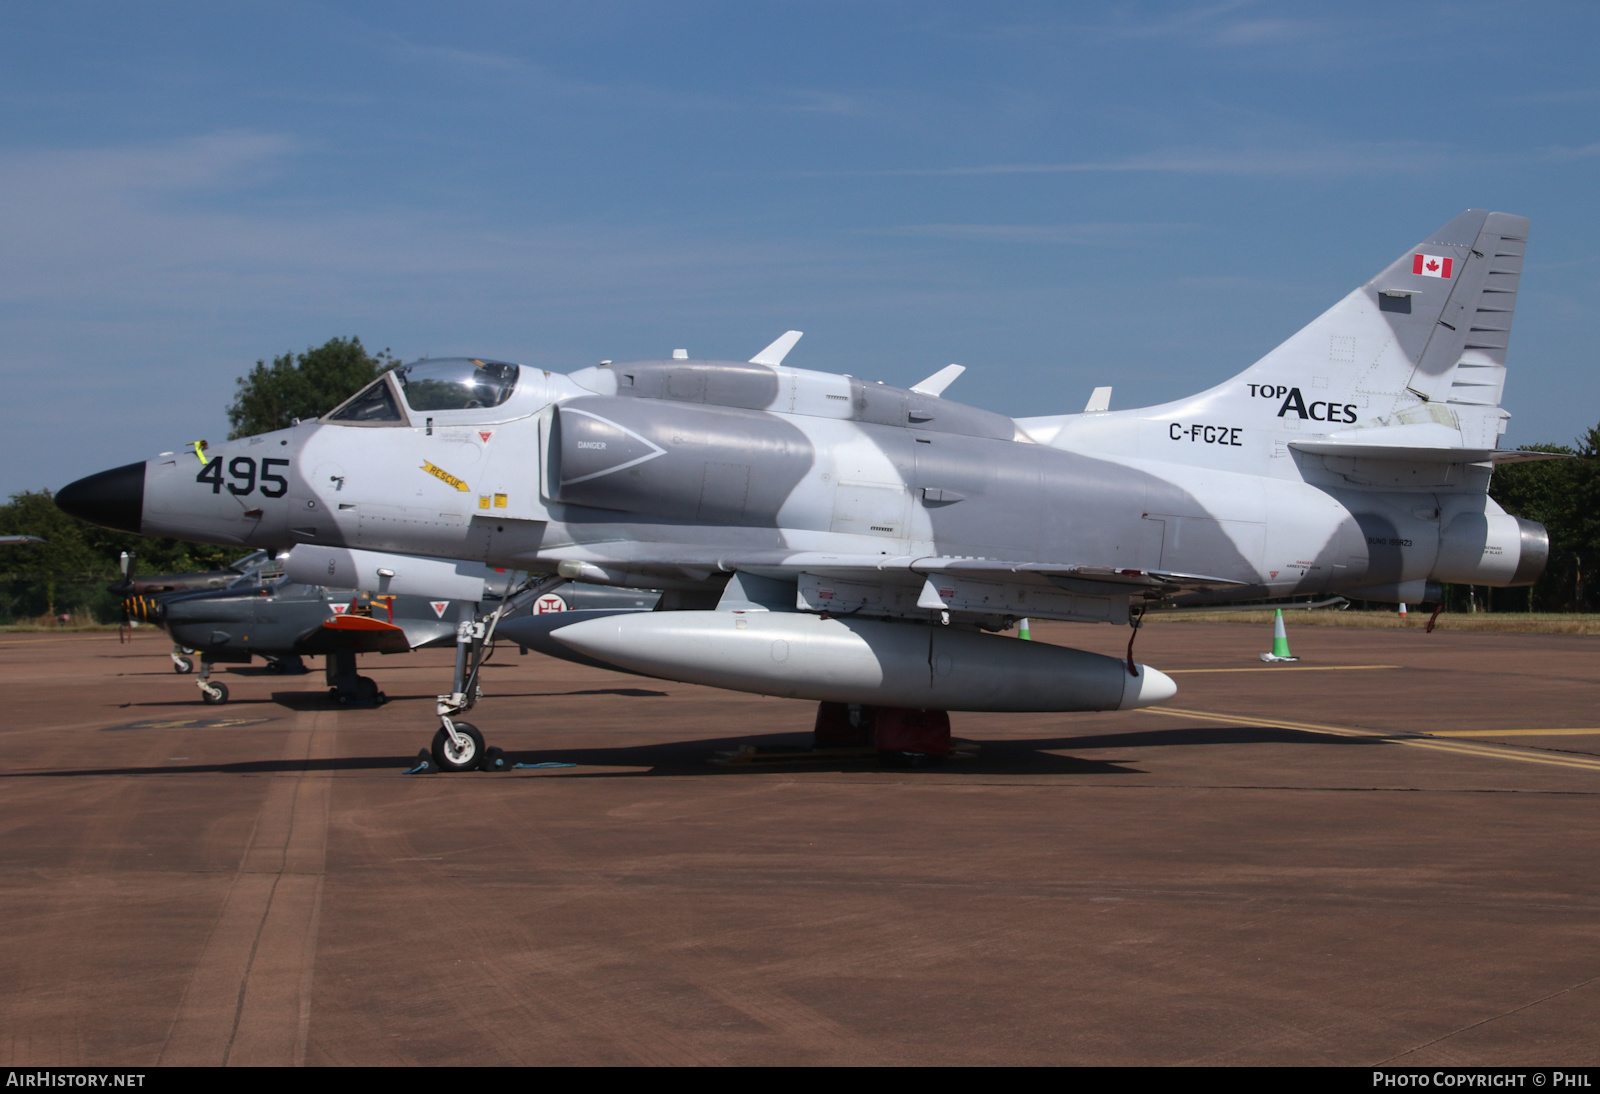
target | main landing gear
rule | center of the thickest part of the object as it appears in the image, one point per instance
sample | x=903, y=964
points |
x=903, y=736
x=458, y=745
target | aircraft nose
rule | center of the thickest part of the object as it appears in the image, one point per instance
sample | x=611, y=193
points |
x=113, y=499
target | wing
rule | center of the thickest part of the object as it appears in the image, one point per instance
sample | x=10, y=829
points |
x=897, y=585
x=357, y=633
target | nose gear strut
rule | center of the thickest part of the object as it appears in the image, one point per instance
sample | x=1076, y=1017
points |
x=459, y=746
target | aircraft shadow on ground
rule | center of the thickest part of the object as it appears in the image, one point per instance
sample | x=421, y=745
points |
x=1031, y=756
x=320, y=699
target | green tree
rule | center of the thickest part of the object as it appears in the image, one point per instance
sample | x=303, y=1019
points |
x=1564, y=496
x=302, y=386
x=70, y=570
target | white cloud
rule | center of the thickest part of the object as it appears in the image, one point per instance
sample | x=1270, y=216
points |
x=1346, y=158
x=1087, y=234
x=1562, y=153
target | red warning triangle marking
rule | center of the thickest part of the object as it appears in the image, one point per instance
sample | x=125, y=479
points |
x=438, y=607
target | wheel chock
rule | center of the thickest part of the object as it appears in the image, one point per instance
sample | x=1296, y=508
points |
x=425, y=764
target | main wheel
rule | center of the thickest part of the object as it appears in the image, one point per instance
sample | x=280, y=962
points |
x=182, y=666
x=450, y=757
x=218, y=693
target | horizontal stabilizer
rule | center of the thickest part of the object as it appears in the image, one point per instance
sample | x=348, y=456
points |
x=935, y=384
x=774, y=354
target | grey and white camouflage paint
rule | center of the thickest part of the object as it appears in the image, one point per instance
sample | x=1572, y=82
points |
x=1354, y=458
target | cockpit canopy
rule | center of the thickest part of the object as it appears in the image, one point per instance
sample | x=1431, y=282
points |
x=456, y=383
x=449, y=383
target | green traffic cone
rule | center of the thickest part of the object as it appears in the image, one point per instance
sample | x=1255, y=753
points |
x=1023, y=632
x=1280, y=641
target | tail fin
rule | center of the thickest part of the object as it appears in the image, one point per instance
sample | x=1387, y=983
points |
x=1431, y=328
x=1421, y=346
x=1465, y=359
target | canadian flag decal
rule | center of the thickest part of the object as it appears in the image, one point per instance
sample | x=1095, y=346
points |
x=1432, y=265
x=438, y=607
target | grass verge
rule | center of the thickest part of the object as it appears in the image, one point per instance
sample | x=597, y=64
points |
x=1487, y=622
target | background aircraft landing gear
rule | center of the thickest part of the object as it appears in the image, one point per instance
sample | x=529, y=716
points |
x=181, y=664
x=210, y=694
x=345, y=686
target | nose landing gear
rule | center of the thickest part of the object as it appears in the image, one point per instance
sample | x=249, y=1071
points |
x=459, y=752
x=210, y=694
x=459, y=746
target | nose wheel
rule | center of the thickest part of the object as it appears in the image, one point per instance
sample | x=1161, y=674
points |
x=458, y=746
x=461, y=751
x=210, y=694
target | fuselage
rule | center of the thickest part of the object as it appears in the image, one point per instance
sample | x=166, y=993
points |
x=658, y=472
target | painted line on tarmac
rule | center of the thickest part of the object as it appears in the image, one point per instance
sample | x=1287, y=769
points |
x=1510, y=732
x=1491, y=752
x=1290, y=668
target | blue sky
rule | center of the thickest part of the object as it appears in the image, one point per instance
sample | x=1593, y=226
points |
x=1055, y=195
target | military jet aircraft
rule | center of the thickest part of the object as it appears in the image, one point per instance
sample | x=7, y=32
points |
x=140, y=593
x=135, y=584
x=283, y=621
x=279, y=610
x=828, y=538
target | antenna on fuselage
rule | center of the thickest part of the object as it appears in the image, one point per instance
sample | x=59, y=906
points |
x=935, y=384
x=775, y=353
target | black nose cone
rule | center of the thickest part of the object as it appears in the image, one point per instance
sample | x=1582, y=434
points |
x=114, y=499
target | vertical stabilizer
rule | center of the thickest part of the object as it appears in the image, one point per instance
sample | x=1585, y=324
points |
x=1415, y=356
x=1465, y=358
x=1427, y=336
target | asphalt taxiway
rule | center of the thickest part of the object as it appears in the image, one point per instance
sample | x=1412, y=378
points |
x=1385, y=853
